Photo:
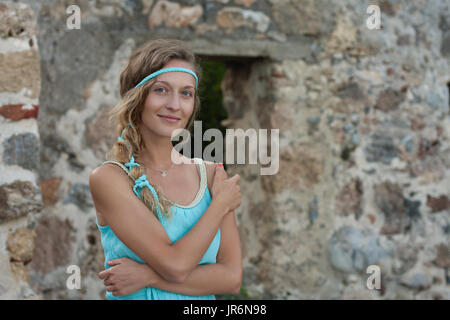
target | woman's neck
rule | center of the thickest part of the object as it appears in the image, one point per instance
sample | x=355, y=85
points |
x=157, y=151
x=157, y=154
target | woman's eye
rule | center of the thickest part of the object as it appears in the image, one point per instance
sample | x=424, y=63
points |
x=185, y=93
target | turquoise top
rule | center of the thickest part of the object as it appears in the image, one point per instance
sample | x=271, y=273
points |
x=183, y=219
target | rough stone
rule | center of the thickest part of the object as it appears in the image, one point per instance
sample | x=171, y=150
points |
x=3, y=290
x=20, y=245
x=416, y=280
x=235, y=100
x=427, y=148
x=20, y=271
x=442, y=256
x=52, y=146
x=147, y=5
x=21, y=70
x=437, y=204
x=203, y=28
x=389, y=199
x=381, y=148
x=417, y=123
x=350, y=91
x=445, y=46
x=79, y=194
x=19, y=199
x=353, y=250
x=348, y=38
x=412, y=208
x=313, y=211
x=407, y=258
x=22, y=150
x=389, y=7
x=16, y=112
x=280, y=37
x=17, y=21
x=308, y=12
x=74, y=71
x=171, y=14
x=49, y=190
x=99, y=134
x=389, y=100
x=300, y=168
x=246, y=3
x=112, y=8
x=231, y=18
x=348, y=201
x=94, y=258
x=53, y=244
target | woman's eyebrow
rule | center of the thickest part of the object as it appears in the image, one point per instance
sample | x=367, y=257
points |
x=170, y=85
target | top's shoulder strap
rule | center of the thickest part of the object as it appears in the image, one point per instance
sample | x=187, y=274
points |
x=200, y=163
x=122, y=166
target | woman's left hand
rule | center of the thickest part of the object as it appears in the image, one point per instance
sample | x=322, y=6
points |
x=127, y=276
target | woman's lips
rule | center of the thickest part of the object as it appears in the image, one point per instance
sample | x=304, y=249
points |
x=169, y=119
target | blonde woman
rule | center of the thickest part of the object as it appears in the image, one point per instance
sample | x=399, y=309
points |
x=168, y=230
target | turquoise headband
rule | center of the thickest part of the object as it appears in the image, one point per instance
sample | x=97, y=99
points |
x=154, y=74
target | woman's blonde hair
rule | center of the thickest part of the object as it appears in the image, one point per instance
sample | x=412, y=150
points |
x=148, y=58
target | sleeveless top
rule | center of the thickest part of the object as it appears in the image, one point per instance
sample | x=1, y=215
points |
x=183, y=219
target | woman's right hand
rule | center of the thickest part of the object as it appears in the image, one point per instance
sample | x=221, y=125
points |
x=225, y=191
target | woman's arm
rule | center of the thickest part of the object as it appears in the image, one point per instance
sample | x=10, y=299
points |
x=127, y=276
x=224, y=277
x=206, y=279
x=130, y=220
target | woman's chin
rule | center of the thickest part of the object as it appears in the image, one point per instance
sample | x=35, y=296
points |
x=169, y=133
x=167, y=130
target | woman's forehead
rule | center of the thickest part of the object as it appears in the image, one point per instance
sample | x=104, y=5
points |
x=177, y=79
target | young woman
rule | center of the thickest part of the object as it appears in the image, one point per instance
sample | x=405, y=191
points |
x=163, y=236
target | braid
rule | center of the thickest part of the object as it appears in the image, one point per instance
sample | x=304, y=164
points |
x=144, y=194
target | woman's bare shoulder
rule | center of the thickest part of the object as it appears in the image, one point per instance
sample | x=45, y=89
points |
x=108, y=175
x=106, y=169
x=107, y=183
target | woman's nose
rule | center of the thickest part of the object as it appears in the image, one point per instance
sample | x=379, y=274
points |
x=174, y=102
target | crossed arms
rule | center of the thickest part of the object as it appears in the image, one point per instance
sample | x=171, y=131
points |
x=174, y=270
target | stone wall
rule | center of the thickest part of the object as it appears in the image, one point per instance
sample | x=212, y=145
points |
x=364, y=139
x=20, y=195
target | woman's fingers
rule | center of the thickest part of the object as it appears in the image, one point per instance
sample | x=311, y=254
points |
x=111, y=288
x=103, y=274
x=113, y=262
x=107, y=282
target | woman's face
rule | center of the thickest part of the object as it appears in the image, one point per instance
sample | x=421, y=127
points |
x=172, y=94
